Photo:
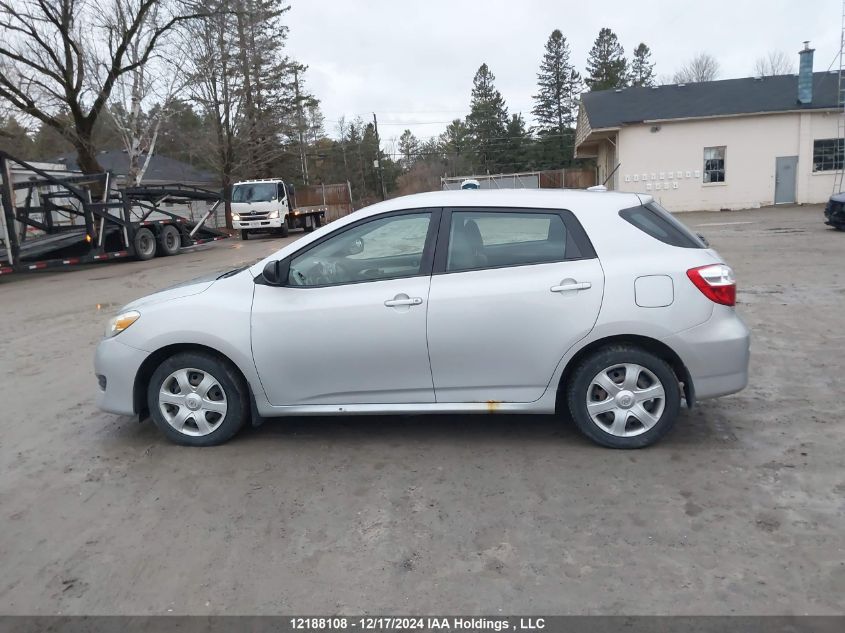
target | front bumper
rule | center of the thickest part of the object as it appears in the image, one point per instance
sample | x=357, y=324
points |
x=834, y=214
x=116, y=366
x=274, y=223
x=716, y=353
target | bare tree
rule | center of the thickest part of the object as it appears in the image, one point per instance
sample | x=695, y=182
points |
x=142, y=98
x=774, y=63
x=65, y=57
x=702, y=67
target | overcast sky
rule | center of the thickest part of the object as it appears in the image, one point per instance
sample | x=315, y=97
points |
x=412, y=62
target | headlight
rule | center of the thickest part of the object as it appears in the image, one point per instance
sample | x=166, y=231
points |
x=120, y=322
x=236, y=217
x=273, y=215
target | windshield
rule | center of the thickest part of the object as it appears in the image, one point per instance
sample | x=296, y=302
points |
x=254, y=192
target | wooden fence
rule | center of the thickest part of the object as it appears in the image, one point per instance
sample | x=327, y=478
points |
x=336, y=199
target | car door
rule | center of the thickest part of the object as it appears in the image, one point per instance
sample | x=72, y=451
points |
x=349, y=325
x=512, y=291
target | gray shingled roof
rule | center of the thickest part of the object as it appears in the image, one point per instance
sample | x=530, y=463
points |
x=609, y=108
x=162, y=168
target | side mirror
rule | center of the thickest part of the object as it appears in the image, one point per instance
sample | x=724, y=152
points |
x=276, y=272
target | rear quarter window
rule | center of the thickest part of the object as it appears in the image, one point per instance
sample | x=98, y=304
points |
x=654, y=220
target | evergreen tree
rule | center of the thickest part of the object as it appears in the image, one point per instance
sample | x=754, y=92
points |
x=642, y=68
x=14, y=139
x=488, y=118
x=606, y=65
x=556, y=102
x=517, y=146
x=409, y=147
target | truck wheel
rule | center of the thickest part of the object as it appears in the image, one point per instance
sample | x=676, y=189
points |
x=244, y=235
x=283, y=230
x=318, y=221
x=309, y=225
x=144, y=243
x=169, y=241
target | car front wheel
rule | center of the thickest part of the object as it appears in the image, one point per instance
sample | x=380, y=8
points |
x=624, y=397
x=196, y=399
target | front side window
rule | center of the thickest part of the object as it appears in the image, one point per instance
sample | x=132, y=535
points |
x=385, y=248
x=828, y=154
x=479, y=239
x=714, y=164
x=254, y=192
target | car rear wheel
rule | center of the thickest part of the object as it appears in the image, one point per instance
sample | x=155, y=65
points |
x=624, y=397
x=196, y=399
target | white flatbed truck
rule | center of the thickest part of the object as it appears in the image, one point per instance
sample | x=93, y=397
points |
x=269, y=206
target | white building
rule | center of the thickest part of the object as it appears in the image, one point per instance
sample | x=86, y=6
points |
x=732, y=144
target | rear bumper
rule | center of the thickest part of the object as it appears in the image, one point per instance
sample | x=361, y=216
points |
x=116, y=365
x=716, y=353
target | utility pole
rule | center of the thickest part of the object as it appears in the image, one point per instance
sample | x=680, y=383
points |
x=300, y=125
x=378, y=158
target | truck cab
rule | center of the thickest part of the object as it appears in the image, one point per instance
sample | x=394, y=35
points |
x=261, y=206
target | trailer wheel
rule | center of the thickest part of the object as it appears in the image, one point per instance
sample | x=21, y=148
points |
x=309, y=225
x=145, y=244
x=169, y=241
x=244, y=235
x=318, y=221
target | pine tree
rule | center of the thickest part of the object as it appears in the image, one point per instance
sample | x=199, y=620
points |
x=408, y=149
x=518, y=144
x=606, y=65
x=642, y=68
x=556, y=102
x=488, y=118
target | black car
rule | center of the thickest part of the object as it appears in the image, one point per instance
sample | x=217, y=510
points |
x=834, y=211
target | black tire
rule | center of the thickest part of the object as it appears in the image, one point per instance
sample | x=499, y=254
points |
x=318, y=221
x=244, y=235
x=284, y=231
x=169, y=240
x=229, y=383
x=309, y=224
x=579, y=389
x=144, y=243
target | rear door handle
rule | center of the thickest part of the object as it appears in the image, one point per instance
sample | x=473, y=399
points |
x=571, y=286
x=410, y=301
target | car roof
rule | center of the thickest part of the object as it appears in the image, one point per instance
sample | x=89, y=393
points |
x=572, y=199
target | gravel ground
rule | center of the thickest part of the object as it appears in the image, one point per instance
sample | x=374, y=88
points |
x=741, y=509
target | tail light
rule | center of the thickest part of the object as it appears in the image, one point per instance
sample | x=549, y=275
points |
x=716, y=282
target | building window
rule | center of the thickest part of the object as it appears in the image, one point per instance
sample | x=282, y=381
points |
x=828, y=154
x=714, y=164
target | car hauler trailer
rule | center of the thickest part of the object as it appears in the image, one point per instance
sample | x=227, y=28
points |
x=48, y=220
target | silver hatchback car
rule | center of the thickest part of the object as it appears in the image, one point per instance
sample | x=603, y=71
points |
x=597, y=306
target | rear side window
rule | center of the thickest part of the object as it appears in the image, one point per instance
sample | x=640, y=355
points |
x=653, y=219
x=492, y=239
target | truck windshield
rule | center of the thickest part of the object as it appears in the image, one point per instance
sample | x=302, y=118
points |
x=254, y=192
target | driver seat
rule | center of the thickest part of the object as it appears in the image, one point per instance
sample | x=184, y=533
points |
x=467, y=250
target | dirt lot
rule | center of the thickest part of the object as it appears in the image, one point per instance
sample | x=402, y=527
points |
x=741, y=509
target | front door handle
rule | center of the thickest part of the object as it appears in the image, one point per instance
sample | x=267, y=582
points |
x=407, y=301
x=570, y=284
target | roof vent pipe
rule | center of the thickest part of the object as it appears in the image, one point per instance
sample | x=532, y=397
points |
x=805, y=75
